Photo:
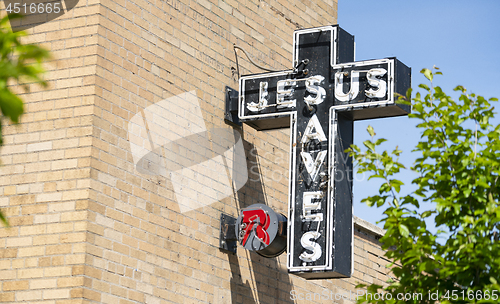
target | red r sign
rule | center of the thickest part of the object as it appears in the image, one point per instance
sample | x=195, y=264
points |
x=259, y=221
x=262, y=230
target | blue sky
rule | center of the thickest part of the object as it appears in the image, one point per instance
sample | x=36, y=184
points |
x=462, y=38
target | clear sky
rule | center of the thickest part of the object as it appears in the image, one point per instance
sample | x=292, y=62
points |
x=460, y=37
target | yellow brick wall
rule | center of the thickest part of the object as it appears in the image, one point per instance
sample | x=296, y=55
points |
x=45, y=172
x=88, y=226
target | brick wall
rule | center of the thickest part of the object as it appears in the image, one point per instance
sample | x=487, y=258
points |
x=110, y=195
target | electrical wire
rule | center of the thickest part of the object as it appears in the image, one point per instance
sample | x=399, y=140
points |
x=250, y=59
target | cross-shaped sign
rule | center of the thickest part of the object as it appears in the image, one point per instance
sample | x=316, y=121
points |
x=319, y=99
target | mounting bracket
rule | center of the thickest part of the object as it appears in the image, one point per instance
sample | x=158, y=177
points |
x=227, y=236
x=231, y=110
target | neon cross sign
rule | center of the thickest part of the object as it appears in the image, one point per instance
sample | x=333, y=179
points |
x=319, y=100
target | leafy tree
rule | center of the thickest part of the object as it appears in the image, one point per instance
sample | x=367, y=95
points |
x=19, y=63
x=459, y=171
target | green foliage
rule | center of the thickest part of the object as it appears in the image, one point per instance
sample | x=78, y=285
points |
x=458, y=170
x=19, y=62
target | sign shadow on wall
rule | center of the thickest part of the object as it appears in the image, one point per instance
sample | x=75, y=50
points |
x=269, y=278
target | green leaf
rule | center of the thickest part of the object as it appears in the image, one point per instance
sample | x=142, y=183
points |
x=408, y=94
x=11, y=105
x=370, y=130
x=403, y=230
x=427, y=73
x=427, y=213
x=369, y=145
x=3, y=219
x=424, y=86
x=380, y=141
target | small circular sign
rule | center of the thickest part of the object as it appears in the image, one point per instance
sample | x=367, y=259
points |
x=260, y=229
